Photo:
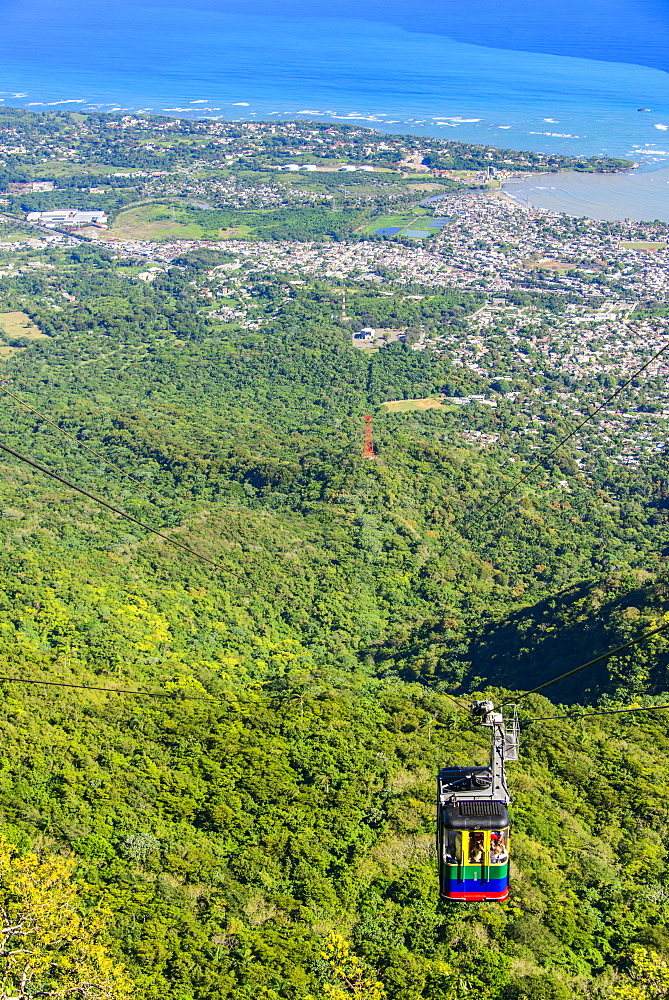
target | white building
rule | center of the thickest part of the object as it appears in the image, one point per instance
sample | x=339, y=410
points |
x=68, y=217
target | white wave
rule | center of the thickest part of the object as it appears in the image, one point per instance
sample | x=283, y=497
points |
x=553, y=121
x=201, y=101
x=49, y=104
x=463, y=121
x=503, y=126
x=662, y=127
x=240, y=104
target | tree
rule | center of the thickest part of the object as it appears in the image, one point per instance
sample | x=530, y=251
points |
x=48, y=946
x=646, y=979
x=348, y=979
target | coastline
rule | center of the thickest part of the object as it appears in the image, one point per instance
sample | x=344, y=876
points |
x=245, y=67
x=626, y=194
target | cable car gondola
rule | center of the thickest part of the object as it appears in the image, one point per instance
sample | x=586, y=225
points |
x=473, y=818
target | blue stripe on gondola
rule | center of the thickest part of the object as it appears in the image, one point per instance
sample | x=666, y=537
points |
x=476, y=885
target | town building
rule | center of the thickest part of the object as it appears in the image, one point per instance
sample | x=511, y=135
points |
x=68, y=217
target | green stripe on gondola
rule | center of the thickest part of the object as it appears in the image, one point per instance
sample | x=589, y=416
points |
x=474, y=871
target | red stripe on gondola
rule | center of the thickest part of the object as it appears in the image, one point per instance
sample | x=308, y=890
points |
x=477, y=895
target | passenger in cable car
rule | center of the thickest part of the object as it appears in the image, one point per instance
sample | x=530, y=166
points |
x=476, y=848
x=498, y=847
x=475, y=864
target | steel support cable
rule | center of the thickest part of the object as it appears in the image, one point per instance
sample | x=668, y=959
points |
x=597, y=659
x=76, y=440
x=453, y=699
x=609, y=711
x=103, y=503
x=567, y=437
x=92, y=687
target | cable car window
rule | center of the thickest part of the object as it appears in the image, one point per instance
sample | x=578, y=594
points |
x=476, y=847
x=499, y=847
x=453, y=847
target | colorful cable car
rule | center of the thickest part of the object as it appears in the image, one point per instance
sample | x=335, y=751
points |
x=473, y=818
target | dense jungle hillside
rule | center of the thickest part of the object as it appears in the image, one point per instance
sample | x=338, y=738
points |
x=351, y=600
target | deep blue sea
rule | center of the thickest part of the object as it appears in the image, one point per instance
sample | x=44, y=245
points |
x=570, y=78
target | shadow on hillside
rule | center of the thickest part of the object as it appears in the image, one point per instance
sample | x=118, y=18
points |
x=560, y=633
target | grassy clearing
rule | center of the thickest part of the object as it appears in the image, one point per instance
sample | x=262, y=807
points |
x=548, y=264
x=159, y=221
x=241, y=232
x=65, y=168
x=19, y=324
x=154, y=222
x=406, y=405
x=15, y=237
x=641, y=245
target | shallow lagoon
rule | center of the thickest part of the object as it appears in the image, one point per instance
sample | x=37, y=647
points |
x=640, y=195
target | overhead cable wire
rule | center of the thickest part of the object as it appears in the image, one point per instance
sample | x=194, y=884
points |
x=453, y=699
x=597, y=659
x=92, y=687
x=609, y=711
x=103, y=503
x=567, y=437
x=76, y=440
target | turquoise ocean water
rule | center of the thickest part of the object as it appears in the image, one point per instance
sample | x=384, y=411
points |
x=574, y=85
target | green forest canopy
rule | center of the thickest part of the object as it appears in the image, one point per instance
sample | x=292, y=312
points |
x=350, y=599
